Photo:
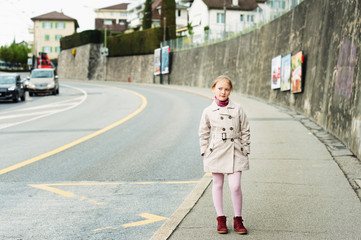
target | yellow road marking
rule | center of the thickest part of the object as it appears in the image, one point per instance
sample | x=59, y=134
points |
x=81, y=140
x=49, y=187
x=150, y=219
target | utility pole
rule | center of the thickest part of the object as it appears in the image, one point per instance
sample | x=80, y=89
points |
x=165, y=29
x=224, y=19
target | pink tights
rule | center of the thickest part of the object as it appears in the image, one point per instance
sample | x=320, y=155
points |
x=234, y=180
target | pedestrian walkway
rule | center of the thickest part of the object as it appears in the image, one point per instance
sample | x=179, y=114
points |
x=293, y=190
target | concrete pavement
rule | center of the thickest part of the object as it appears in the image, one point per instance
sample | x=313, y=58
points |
x=295, y=188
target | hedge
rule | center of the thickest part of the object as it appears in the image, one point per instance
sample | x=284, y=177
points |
x=135, y=43
x=78, y=39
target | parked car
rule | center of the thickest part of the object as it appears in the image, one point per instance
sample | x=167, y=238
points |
x=43, y=80
x=11, y=87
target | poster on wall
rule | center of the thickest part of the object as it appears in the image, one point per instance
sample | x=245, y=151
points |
x=296, y=75
x=156, y=61
x=276, y=72
x=286, y=73
x=165, y=59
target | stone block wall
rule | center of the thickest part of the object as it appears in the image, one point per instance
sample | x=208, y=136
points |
x=86, y=64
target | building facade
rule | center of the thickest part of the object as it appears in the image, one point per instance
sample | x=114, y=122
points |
x=112, y=18
x=48, y=29
x=210, y=15
x=136, y=9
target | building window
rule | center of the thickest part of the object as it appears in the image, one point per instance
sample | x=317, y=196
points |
x=47, y=49
x=57, y=37
x=241, y=17
x=47, y=25
x=108, y=22
x=278, y=4
x=250, y=18
x=47, y=37
x=123, y=14
x=179, y=13
x=220, y=18
x=60, y=25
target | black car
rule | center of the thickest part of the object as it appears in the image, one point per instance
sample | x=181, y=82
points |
x=11, y=87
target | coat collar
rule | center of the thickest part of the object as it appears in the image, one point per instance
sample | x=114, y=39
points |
x=215, y=107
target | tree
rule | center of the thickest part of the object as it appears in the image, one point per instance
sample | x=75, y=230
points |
x=15, y=53
x=168, y=12
x=147, y=18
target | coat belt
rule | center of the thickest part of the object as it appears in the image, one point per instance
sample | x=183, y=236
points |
x=225, y=135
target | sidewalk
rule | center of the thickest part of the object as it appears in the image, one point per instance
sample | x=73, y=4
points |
x=293, y=190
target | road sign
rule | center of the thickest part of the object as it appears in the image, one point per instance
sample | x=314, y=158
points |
x=104, y=51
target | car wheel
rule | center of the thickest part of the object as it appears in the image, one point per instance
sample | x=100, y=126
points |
x=23, y=97
x=31, y=94
x=57, y=91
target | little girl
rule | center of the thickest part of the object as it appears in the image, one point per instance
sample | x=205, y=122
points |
x=225, y=144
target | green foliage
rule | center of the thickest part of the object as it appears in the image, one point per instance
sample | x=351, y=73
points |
x=78, y=39
x=135, y=43
x=147, y=18
x=15, y=53
x=168, y=12
x=190, y=28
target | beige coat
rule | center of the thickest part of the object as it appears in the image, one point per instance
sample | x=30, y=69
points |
x=224, y=135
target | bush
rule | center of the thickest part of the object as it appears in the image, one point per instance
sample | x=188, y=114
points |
x=78, y=39
x=135, y=43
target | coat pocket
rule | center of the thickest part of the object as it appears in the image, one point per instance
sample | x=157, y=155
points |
x=239, y=146
x=209, y=150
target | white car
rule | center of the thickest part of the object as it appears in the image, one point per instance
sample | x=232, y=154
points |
x=43, y=80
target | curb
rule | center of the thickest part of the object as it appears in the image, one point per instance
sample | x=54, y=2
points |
x=166, y=230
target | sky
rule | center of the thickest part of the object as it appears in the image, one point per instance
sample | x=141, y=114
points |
x=15, y=15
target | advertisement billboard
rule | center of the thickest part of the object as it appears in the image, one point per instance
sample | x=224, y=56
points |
x=276, y=72
x=296, y=76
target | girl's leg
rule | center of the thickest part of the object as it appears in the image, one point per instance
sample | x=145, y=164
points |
x=234, y=181
x=217, y=192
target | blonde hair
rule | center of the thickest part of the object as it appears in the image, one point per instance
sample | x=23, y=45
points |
x=220, y=78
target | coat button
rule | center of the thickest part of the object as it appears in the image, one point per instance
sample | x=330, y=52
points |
x=232, y=139
x=242, y=149
x=230, y=117
x=211, y=149
x=231, y=128
x=223, y=129
x=221, y=118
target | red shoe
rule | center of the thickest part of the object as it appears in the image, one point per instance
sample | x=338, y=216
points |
x=238, y=225
x=222, y=224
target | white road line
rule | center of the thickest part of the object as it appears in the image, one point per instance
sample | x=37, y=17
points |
x=50, y=112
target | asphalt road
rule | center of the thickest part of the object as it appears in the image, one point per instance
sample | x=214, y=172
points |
x=99, y=161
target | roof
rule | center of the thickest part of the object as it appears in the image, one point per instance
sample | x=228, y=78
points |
x=56, y=16
x=155, y=5
x=245, y=5
x=122, y=6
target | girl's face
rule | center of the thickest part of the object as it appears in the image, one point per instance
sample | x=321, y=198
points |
x=222, y=90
